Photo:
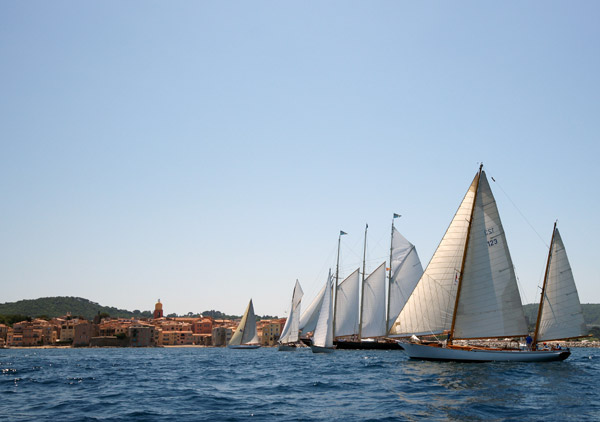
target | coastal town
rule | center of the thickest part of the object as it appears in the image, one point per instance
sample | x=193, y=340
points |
x=157, y=331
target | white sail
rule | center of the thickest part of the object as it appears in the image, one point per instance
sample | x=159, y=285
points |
x=406, y=272
x=246, y=333
x=562, y=316
x=289, y=334
x=323, y=335
x=346, y=309
x=373, y=304
x=489, y=304
x=309, y=318
x=430, y=306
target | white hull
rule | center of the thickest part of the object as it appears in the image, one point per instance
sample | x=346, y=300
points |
x=244, y=346
x=319, y=349
x=426, y=352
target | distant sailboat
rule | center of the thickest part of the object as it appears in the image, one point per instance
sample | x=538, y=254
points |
x=245, y=336
x=322, y=341
x=288, y=340
x=469, y=291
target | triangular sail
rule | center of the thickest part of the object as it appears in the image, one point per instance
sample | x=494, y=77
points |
x=289, y=334
x=406, y=272
x=246, y=332
x=323, y=335
x=562, y=316
x=309, y=318
x=430, y=306
x=373, y=308
x=346, y=318
x=489, y=303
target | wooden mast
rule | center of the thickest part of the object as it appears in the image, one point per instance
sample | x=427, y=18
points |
x=337, y=275
x=387, y=315
x=362, y=291
x=464, y=259
x=540, y=308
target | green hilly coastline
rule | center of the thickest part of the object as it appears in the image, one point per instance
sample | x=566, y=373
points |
x=61, y=305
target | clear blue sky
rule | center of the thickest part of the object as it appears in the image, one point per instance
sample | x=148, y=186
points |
x=207, y=152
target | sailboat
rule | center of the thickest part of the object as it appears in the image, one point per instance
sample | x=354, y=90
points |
x=322, y=341
x=469, y=291
x=373, y=316
x=289, y=335
x=245, y=336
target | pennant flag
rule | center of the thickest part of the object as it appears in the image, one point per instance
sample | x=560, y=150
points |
x=342, y=233
x=397, y=215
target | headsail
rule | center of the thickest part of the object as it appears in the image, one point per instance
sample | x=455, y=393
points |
x=346, y=317
x=562, y=316
x=323, y=335
x=373, y=308
x=430, y=306
x=406, y=270
x=489, y=304
x=246, y=333
x=289, y=334
x=309, y=318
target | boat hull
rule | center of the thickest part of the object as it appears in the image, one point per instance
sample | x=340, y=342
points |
x=367, y=345
x=432, y=352
x=243, y=346
x=287, y=347
x=319, y=349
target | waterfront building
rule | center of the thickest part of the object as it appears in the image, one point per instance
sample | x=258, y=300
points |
x=271, y=330
x=3, y=331
x=141, y=335
x=203, y=326
x=82, y=333
x=221, y=336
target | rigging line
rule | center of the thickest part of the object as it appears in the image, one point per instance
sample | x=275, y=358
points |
x=519, y=211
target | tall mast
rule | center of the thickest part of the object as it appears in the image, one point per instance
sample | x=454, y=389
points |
x=387, y=315
x=464, y=259
x=539, y=315
x=337, y=276
x=362, y=292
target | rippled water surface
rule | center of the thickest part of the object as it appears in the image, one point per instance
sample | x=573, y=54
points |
x=197, y=384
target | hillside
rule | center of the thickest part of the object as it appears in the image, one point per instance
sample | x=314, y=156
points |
x=61, y=305
x=591, y=314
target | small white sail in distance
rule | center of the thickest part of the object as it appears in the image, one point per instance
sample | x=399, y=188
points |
x=289, y=334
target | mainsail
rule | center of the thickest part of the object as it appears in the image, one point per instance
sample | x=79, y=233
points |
x=373, y=304
x=489, y=304
x=246, y=331
x=429, y=308
x=406, y=270
x=323, y=335
x=346, y=310
x=309, y=318
x=289, y=334
x=562, y=316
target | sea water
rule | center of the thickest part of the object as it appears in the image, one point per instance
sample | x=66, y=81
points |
x=212, y=384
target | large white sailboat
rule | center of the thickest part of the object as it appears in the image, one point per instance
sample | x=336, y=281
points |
x=288, y=340
x=245, y=336
x=469, y=291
